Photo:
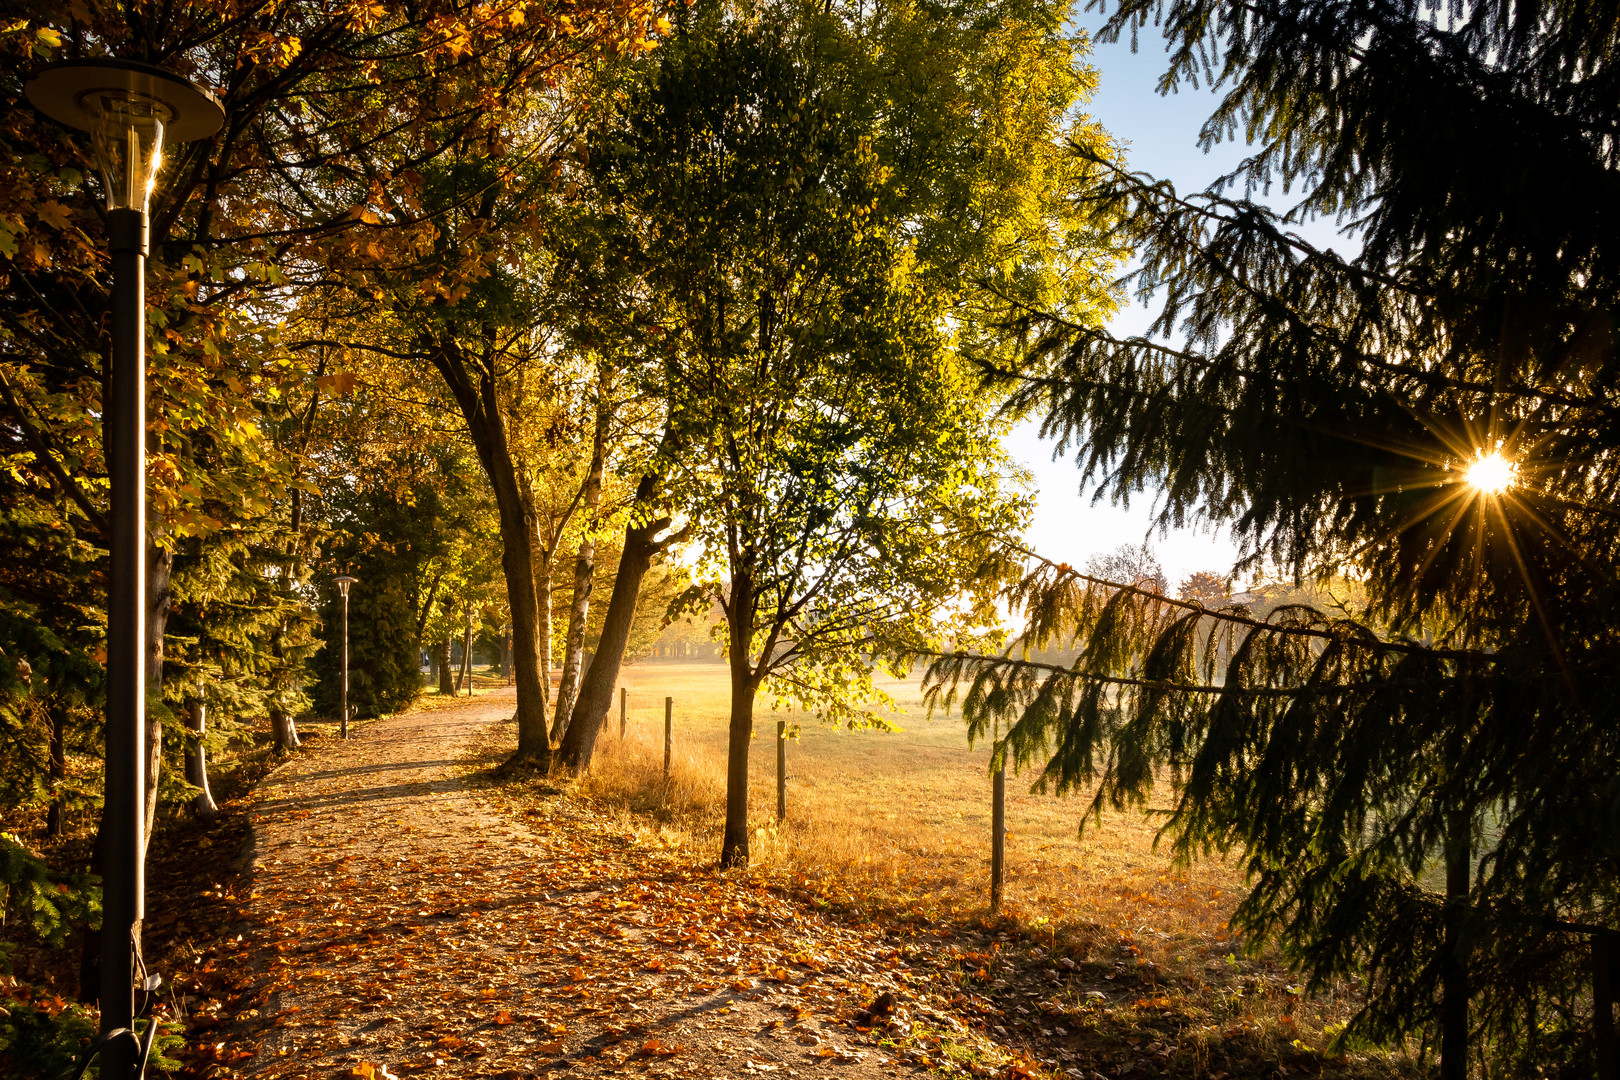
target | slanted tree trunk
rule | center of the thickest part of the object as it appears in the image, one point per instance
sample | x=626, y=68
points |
x=197, y=759
x=427, y=605
x=584, y=573
x=574, y=639
x=57, y=766
x=472, y=382
x=464, y=681
x=543, y=584
x=446, y=683
x=506, y=655
x=641, y=545
x=740, y=624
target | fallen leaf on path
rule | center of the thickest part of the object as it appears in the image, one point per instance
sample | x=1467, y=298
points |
x=654, y=1048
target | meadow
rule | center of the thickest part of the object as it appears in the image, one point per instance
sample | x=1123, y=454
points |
x=900, y=819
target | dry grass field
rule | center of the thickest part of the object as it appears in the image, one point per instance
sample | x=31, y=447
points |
x=902, y=818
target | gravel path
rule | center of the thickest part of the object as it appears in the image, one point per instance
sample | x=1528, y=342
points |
x=403, y=922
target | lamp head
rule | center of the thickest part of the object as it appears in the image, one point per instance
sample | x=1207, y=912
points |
x=130, y=109
x=343, y=582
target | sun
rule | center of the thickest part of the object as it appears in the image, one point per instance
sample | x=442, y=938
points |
x=1491, y=473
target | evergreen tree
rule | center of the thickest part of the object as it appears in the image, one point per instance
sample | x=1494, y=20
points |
x=1424, y=788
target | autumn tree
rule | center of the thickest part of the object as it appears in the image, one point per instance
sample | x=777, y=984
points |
x=1205, y=586
x=313, y=181
x=789, y=203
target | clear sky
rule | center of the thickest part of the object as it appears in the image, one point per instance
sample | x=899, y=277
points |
x=1161, y=136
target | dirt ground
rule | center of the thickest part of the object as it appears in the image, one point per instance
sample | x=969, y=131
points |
x=401, y=923
x=405, y=912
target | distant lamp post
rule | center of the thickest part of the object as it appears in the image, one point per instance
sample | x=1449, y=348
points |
x=130, y=109
x=343, y=582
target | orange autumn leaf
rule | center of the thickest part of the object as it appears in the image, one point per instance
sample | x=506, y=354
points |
x=655, y=1048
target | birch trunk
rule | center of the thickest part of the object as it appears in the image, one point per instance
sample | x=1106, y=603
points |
x=584, y=575
x=446, y=684
x=197, y=759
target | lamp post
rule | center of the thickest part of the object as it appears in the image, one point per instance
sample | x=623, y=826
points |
x=130, y=109
x=343, y=582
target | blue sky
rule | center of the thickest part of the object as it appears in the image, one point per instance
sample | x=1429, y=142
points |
x=1161, y=134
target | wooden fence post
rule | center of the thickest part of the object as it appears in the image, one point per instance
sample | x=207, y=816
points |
x=781, y=770
x=622, y=693
x=669, y=714
x=998, y=836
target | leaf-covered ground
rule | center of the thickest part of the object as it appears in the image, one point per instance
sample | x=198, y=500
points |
x=404, y=915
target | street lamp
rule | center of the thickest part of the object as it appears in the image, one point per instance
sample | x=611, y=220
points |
x=343, y=582
x=130, y=109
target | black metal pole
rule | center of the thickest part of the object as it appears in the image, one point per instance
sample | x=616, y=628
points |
x=124, y=444
x=343, y=703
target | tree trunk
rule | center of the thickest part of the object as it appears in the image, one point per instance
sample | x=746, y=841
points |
x=479, y=400
x=740, y=623
x=1603, y=1006
x=464, y=681
x=58, y=766
x=427, y=605
x=1454, y=990
x=159, y=568
x=596, y=689
x=446, y=680
x=285, y=731
x=282, y=728
x=574, y=639
x=584, y=573
x=197, y=759
x=734, y=846
x=543, y=587
x=506, y=656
